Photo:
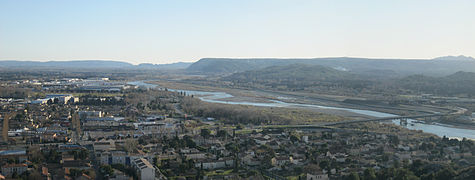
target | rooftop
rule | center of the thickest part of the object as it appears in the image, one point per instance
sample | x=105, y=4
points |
x=12, y=152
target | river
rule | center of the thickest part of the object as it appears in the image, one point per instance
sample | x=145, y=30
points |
x=216, y=97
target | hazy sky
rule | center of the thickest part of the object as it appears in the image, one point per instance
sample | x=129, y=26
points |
x=186, y=30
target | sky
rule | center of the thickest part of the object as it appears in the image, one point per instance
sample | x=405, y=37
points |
x=187, y=30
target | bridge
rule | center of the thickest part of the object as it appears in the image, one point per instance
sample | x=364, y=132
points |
x=403, y=119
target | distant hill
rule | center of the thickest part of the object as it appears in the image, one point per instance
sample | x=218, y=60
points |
x=89, y=64
x=226, y=65
x=297, y=77
x=171, y=66
x=292, y=72
x=456, y=58
x=362, y=66
x=454, y=84
x=66, y=64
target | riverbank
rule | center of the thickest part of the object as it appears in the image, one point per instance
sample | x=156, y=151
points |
x=214, y=97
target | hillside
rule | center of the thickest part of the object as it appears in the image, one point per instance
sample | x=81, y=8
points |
x=226, y=65
x=171, y=66
x=293, y=72
x=297, y=77
x=458, y=83
x=385, y=68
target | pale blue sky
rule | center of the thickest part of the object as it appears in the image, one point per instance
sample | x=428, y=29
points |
x=187, y=30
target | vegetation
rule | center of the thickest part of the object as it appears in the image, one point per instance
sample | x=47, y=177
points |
x=460, y=83
x=235, y=114
x=15, y=93
x=298, y=77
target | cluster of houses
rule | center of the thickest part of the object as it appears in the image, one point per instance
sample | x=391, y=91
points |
x=71, y=141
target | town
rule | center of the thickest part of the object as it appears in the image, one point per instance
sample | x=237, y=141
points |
x=97, y=128
x=237, y=90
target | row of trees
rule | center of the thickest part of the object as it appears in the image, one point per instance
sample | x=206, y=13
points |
x=12, y=92
x=231, y=114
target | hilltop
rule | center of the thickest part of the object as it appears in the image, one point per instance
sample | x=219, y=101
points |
x=292, y=72
x=458, y=83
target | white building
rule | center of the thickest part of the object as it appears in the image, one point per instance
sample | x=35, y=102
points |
x=63, y=98
x=144, y=168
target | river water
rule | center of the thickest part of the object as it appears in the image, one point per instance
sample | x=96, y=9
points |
x=217, y=97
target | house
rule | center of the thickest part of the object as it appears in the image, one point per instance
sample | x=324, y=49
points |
x=102, y=146
x=321, y=176
x=18, y=155
x=261, y=140
x=215, y=164
x=282, y=160
x=403, y=156
x=195, y=155
x=9, y=169
x=118, y=157
x=102, y=121
x=144, y=169
x=250, y=160
x=85, y=114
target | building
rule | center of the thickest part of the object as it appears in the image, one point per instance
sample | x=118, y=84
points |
x=317, y=177
x=144, y=169
x=9, y=169
x=85, y=114
x=215, y=164
x=17, y=155
x=62, y=98
x=282, y=160
x=102, y=121
x=40, y=101
x=102, y=146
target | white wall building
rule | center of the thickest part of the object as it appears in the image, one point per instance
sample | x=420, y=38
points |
x=144, y=168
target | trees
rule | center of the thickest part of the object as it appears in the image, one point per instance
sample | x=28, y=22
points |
x=74, y=172
x=324, y=164
x=353, y=176
x=53, y=156
x=36, y=154
x=81, y=154
x=369, y=174
x=294, y=138
x=205, y=133
x=189, y=141
x=446, y=173
x=130, y=145
x=222, y=133
x=106, y=171
x=394, y=140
